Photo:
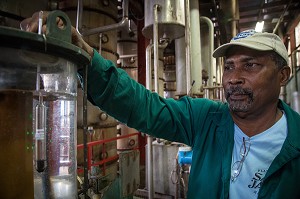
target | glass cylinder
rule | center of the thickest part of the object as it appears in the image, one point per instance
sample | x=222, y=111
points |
x=38, y=125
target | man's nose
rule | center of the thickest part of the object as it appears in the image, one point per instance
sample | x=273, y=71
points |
x=236, y=80
x=236, y=77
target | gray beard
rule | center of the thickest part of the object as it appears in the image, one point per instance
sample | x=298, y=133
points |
x=239, y=106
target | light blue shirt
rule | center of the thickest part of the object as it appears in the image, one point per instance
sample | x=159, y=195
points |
x=264, y=147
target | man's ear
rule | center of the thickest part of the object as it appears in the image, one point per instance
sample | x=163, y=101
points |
x=284, y=75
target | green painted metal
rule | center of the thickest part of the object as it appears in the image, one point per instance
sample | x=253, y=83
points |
x=56, y=41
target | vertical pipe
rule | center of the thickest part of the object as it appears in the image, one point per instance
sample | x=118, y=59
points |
x=149, y=140
x=234, y=10
x=148, y=66
x=100, y=43
x=79, y=15
x=211, y=68
x=125, y=8
x=188, y=45
x=196, y=65
x=85, y=133
x=150, y=168
x=155, y=44
x=180, y=67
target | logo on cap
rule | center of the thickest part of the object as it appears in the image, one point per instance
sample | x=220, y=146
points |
x=244, y=34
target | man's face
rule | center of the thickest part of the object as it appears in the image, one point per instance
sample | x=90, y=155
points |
x=251, y=80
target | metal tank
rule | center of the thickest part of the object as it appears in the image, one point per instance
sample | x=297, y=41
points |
x=38, y=89
x=171, y=19
x=128, y=61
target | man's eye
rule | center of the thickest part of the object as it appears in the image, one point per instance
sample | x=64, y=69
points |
x=228, y=67
x=250, y=65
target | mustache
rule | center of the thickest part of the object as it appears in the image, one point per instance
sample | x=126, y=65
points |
x=238, y=90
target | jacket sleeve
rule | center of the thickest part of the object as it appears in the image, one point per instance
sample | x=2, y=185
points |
x=131, y=103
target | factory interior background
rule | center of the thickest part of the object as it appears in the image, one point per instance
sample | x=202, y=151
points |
x=55, y=144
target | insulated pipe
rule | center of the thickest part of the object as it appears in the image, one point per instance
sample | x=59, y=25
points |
x=180, y=67
x=211, y=68
x=196, y=65
x=123, y=23
x=188, y=46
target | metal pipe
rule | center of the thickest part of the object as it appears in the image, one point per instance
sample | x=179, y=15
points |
x=149, y=87
x=148, y=67
x=180, y=67
x=123, y=23
x=155, y=47
x=125, y=5
x=85, y=133
x=127, y=56
x=195, y=51
x=234, y=10
x=281, y=17
x=79, y=15
x=211, y=69
x=149, y=138
x=150, y=168
x=188, y=45
x=100, y=43
x=294, y=67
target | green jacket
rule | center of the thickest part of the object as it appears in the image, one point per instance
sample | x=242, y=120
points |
x=205, y=125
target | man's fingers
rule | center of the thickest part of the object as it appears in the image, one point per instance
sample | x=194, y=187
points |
x=24, y=24
x=31, y=24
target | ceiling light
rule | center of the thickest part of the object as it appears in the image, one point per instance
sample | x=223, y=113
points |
x=259, y=26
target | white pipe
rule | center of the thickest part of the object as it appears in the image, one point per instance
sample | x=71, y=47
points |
x=150, y=168
x=100, y=43
x=196, y=65
x=211, y=66
x=180, y=67
x=149, y=139
x=148, y=67
x=188, y=45
x=127, y=56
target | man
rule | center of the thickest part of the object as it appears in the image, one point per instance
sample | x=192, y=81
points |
x=248, y=147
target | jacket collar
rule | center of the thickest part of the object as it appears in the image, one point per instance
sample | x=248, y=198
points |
x=293, y=122
x=291, y=146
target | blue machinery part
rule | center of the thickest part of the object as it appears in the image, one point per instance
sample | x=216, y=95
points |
x=185, y=155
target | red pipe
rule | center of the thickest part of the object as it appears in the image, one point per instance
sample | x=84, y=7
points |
x=94, y=143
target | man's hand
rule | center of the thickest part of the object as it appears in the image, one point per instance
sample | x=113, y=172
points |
x=32, y=25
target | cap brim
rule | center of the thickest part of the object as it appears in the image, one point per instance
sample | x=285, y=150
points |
x=222, y=50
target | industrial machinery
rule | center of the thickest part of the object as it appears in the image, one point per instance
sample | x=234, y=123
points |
x=38, y=91
x=54, y=143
